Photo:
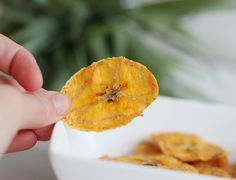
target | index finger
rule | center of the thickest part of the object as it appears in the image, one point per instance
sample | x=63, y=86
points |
x=20, y=64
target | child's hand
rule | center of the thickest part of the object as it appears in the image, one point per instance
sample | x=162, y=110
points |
x=26, y=110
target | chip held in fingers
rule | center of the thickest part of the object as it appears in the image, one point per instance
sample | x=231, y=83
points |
x=108, y=94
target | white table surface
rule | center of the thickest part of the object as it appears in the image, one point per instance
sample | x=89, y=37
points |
x=28, y=165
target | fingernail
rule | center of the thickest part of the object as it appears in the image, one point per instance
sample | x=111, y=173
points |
x=61, y=104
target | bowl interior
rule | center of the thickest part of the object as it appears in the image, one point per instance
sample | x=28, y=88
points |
x=214, y=123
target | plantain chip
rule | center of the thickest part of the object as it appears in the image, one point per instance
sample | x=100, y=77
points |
x=213, y=171
x=162, y=161
x=186, y=147
x=220, y=161
x=232, y=170
x=109, y=93
x=147, y=148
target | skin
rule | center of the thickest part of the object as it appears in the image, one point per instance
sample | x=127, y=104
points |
x=27, y=112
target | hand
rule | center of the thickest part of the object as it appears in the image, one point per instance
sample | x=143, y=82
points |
x=27, y=112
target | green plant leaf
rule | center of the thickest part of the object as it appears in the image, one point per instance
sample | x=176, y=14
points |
x=66, y=35
x=179, y=8
x=96, y=42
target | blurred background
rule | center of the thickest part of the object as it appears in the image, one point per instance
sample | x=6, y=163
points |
x=191, y=56
x=189, y=45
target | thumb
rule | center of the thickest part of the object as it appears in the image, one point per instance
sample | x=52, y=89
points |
x=28, y=111
x=42, y=108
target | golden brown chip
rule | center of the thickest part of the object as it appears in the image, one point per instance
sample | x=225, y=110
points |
x=186, y=147
x=147, y=148
x=108, y=94
x=213, y=171
x=232, y=170
x=220, y=161
x=161, y=161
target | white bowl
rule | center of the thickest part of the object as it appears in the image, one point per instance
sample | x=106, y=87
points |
x=75, y=154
